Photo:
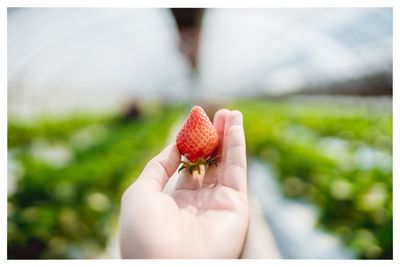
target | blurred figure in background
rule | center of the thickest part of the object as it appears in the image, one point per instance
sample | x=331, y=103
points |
x=108, y=55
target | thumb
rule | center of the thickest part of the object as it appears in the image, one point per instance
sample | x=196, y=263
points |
x=160, y=168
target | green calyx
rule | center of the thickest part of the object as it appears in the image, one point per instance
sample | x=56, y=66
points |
x=191, y=166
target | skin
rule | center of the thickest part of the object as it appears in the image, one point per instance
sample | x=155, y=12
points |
x=205, y=216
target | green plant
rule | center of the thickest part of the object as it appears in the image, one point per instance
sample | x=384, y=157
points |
x=337, y=158
x=70, y=209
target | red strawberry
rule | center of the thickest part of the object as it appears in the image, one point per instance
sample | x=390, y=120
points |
x=197, y=140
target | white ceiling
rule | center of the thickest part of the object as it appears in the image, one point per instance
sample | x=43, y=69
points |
x=67, y=59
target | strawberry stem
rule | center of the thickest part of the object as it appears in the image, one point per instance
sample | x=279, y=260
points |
x=192, y=166
x=198, y=175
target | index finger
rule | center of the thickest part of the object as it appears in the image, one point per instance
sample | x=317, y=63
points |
x=219, y=124
x=235, y=175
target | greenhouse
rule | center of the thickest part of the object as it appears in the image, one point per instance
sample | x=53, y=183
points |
x=95, y=94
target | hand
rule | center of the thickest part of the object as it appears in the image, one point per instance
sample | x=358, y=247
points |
x=197, y=220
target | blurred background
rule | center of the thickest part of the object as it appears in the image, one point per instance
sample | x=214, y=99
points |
x=93, y=94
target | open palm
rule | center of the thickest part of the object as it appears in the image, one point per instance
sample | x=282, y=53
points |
x=206, y=219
